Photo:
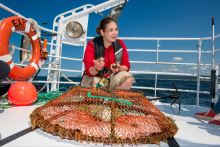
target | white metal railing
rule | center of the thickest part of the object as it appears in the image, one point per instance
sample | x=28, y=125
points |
x=164, y=63
x=198, y=64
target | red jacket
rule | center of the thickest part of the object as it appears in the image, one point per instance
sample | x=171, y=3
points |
x=109, y=57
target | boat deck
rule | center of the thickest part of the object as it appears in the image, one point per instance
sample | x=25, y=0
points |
x=192, y=132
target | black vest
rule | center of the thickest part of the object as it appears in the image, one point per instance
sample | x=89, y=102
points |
x=100, y=51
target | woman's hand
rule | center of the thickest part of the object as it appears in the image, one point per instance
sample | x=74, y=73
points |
x=98, y=65
x=115, y=70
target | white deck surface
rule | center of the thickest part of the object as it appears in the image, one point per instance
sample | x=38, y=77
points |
x=192, y=132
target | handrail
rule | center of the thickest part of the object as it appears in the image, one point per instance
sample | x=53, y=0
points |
x=155, y=38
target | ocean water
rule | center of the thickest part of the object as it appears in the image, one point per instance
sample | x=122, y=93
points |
x=187, y=98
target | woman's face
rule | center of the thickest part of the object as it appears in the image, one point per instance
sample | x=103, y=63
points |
x=110, y=33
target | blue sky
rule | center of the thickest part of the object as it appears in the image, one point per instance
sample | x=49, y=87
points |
x=140, y=18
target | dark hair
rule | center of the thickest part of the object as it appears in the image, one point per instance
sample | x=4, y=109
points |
x=103, y=23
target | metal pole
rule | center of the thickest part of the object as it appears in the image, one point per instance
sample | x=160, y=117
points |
x=157, y=48
x=198, y=76
x=213, y=71
x=57, y=53
x=155, y=86
x=213, y=47
x=212, y=87
x=13, y=12
x=59, y=65
x=216, y=86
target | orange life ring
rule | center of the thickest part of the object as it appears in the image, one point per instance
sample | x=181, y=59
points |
x=9, y=26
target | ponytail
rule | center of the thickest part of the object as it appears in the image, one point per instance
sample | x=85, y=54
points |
x=98, y=30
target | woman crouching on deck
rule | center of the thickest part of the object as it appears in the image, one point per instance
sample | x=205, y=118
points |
x=106, y=56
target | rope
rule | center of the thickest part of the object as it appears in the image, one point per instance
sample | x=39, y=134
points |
x=24, y=54
x=34, y=22
x=101, y=14
x=24, y=57
x=98, y=85
x=89, y=95
x=4, y=106
x=67, y=78
x=44, y=98
x=12, y=49
x=51, y=76
x=26, y=45
x=46, y=83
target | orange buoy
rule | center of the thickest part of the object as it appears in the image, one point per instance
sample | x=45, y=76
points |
x=9, y=26
x=22, y=93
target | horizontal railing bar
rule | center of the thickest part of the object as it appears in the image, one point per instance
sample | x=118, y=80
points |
x=13, y=12
x=205, y=77
x=209, y=38
x=168, y=63
x=74, y=44
x=37, y=81
x=206, y=51
x=62, y=69
x=142, y=38
x=162, y=89
x=17, y=14
x=49, y=30
x=165, y=63
x=61, y=82
x=141, y=50
x=139, y=72
x=217, y=36
x=138, y=50
x=52, y=44
x=23, y=49
x=65, y=58
x=217, y=63
x=174, y=51
x=217, y=50
x=162, y=73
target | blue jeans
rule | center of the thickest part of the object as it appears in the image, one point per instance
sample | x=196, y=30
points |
x=216, y=107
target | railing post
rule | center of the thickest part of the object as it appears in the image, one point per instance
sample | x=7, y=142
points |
x=213, y=47
x=212, y=87
x=59, y=65
x=213, y=71
x=157, y=48
x=198, y=75
x=84, y=49
x=155, y=90
x=56, y=75
x=216, y=86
